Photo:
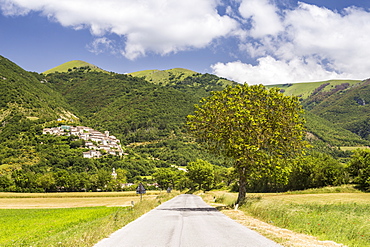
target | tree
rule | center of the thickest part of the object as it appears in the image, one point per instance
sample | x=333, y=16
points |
x=63, y=180
x=201, y=173
x=223, y=177
x=84, y=182
x=359, y=168
x=46, y=182
x=254, y=126
x=24, y=180
x=316, y=170
x=103, y=178
x=165, y=177
x=5, y=182
x=117, y=181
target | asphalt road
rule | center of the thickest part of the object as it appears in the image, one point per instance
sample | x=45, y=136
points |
x=187, y=221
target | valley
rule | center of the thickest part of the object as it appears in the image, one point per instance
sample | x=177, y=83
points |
x=147, y=112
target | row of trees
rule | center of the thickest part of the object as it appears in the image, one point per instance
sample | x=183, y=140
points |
x=199, y=175
x=310, y=171
x=63, y=180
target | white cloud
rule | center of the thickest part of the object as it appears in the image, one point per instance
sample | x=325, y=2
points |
x=302, y=43
x=314, y=44
x=159, y=26
x=272, y=71
x=341, y=38
x=265, y=19
x=101, y=45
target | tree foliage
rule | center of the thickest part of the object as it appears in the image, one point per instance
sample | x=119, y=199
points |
x=359, y=168
x=166, y=177
x=254, y=126
x=201, y=173
x=316, y=170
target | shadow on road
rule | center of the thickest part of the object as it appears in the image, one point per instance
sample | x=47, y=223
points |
x=207, y=209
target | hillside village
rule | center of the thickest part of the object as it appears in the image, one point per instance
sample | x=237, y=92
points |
x=97, y=142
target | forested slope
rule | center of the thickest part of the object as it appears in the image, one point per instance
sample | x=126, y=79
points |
x=335, y=108
x=24, y=93
x=131, y=107
x=348, y=108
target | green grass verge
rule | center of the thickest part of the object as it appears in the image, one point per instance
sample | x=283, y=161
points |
x=68, y=226
x=345, y=223
x=340, y=214
x=325, y=190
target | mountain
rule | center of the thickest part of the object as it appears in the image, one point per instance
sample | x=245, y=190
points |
x=26, y=104
x=347, y=107
x=339, y=105
x=147, y=111
x=74, y=65
x=147, y=117
x=164, y=77
x=176, y=76
x=304, y=90
x=151, y=105
x=329, y=133
x=27, y=94
x=135, y=109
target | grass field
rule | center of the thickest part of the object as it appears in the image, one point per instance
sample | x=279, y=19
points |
x=340, y=217
x=62, y=223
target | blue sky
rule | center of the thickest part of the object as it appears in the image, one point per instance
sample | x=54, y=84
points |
x=253, y=41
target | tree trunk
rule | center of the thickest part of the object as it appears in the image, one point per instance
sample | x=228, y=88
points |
x=242, y=187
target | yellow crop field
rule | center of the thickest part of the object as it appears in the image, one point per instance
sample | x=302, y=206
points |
x=71, y=200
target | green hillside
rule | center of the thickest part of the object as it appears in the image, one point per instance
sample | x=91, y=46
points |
x=173, y=76
x=349, y=109
x=73, y=65
x=26, y=104
x=164, y=77
x=133, y=108
x=330, y=133
x=27, y=94
x=336, y=107
x=147, y=117
x=150, y=105
x=304, y=90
